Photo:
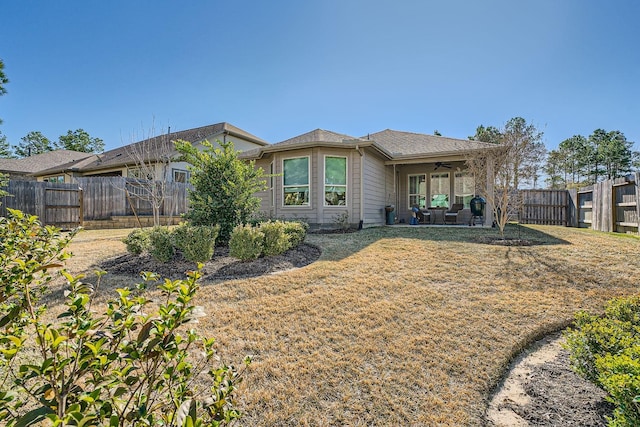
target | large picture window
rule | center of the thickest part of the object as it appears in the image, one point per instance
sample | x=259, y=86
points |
x=296, y=181
x=463, y=188
x=418, y=190
x=440, y=189
x=335, y=181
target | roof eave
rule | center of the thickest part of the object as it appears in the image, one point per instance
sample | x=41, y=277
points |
x=421, y=158
x=348, y=144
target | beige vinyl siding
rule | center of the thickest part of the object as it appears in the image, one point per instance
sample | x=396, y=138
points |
x=265, y=205
x=378, y=189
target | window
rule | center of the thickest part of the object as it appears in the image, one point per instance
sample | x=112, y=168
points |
x=296, y=181
x=180, y=175
x=418, y=190
x=139, y=173
x=335, y=181
x=440, y=189
x=57, y=178
x=463, y=187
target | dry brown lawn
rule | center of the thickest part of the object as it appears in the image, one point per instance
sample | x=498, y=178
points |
x=398, y=326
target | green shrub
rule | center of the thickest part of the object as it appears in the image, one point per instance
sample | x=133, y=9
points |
x=597, y=336
x=224, y=186
x=161, y=244
x=246, y=242
x=196, y=242
x=138, y=241
x=276, y=241
x=120, y=368
x=620, y=377
x=296, y=231
x=606, y=351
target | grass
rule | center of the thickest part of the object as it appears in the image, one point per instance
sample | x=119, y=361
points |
x=401, y=326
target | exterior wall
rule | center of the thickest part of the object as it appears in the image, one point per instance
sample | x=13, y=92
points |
x=377, y=189
x=316, y=214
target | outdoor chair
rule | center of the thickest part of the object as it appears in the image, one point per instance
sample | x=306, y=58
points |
x=420, y=216
x=451, y=216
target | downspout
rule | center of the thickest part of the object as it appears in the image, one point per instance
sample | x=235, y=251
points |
x=361, y=152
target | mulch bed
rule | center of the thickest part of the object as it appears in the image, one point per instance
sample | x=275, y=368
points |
x=220, y=267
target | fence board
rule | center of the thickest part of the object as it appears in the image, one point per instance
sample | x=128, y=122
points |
x=546, y=207
x=92, y=198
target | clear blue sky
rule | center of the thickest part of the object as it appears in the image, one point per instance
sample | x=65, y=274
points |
x=281, y=68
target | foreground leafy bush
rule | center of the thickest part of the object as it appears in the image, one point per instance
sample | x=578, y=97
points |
x=246, y=242
x=196, y=242
x=120, y=368
x=161, y=244
x=606, y=350
x=138, y=241
x=276, y=241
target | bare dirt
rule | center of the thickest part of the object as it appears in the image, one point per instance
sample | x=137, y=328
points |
x=542, y=390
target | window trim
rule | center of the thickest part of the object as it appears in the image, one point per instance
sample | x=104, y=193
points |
x=409, y=194
x=308, y=185
x=346, y=181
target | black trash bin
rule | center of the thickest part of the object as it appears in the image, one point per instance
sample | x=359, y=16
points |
x=391, y=218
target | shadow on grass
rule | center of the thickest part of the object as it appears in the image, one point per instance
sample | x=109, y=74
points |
x=338, y=246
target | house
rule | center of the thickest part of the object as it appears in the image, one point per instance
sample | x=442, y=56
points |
x=150, y=158
x=26, y=167
x=321, y=176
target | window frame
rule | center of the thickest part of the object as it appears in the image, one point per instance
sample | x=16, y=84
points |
x=458, y=177
x=186, y=173
x=54, y=179
x=431, y=188
x=346, y=181
x=410, y=194
x=308, y=185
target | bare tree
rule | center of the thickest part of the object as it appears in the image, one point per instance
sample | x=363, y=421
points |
x=493, y=163
x=149, y=177
x=516, y=159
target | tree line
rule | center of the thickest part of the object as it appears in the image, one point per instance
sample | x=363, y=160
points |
x=36, y=143
x=578, y=161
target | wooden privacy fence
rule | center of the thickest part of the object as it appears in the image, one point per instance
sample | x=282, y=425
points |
x=89, y=199
x=547, y=207
x=105, y=197
x=610, y=206
x=55, y=204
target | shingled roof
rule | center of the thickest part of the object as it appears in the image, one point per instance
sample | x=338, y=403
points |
x=41, y=162
x=152, y=149
x=408, y=144
x=395, y=145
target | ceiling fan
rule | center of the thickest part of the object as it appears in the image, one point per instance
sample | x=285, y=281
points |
x=441, y=164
